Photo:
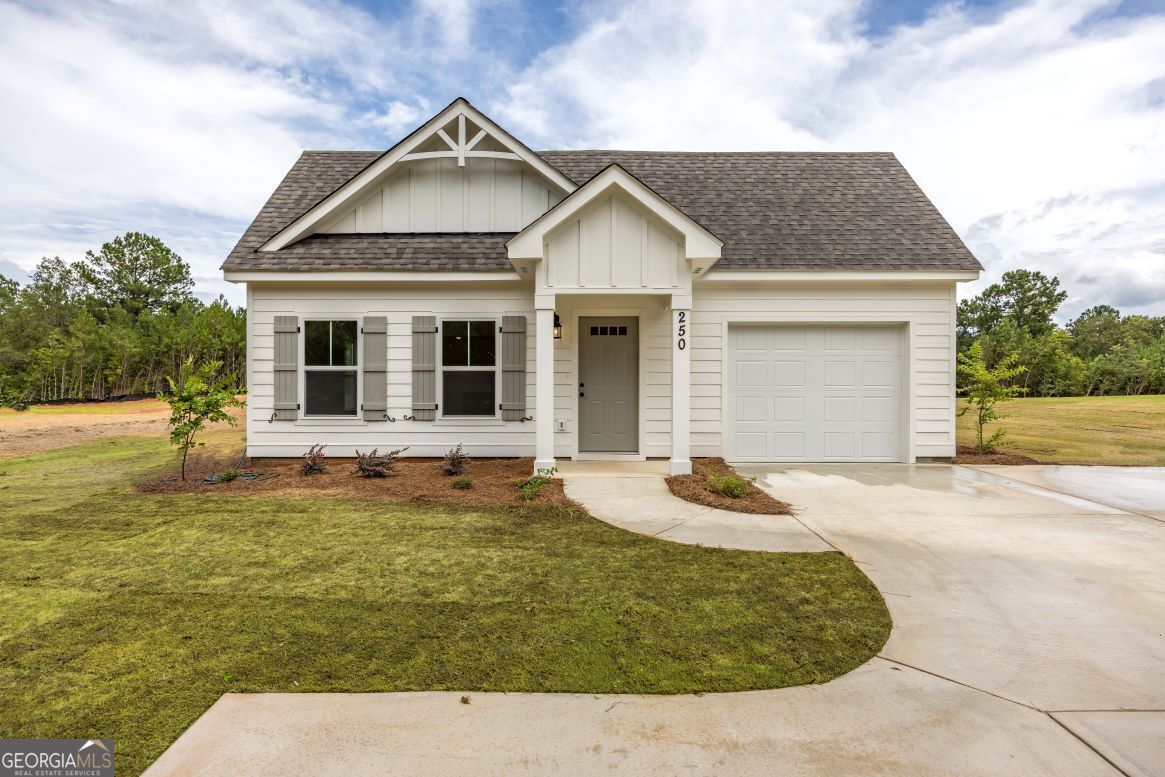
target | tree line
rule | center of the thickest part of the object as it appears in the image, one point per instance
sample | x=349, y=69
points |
x=1100, y=352
x=115, y=323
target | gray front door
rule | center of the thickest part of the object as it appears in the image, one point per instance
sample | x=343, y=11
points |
x=608, y=384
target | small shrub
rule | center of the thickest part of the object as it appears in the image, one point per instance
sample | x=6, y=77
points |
x=315, y=460
x=463, y=484
x=532, y=487
x=376, y=464
x=730, y=484
x=455, y=461
x=228, y=475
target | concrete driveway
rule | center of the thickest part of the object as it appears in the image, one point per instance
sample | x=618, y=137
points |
x=1029, y=639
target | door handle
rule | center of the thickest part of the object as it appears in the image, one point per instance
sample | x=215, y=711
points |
x=581, y=394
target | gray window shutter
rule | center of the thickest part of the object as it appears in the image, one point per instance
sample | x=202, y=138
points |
x=425, y=368
x=513, y=368
x=375, y=368
x=286, y=368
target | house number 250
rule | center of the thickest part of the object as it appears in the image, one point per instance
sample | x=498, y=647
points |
x=681, y=329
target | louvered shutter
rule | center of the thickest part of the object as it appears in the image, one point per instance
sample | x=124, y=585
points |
x=513, y=368
x=286, y=368
x=425, y=368
x=375, y=403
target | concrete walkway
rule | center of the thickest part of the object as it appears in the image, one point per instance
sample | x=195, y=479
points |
x=1028, y=640
x=635, y=497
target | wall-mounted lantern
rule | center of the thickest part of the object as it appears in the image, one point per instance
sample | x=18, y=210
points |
x=557, y=327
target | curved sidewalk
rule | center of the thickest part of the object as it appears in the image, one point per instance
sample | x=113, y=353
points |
x=637, y=499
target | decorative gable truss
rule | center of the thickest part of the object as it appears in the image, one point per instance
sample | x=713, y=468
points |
x=459, y=172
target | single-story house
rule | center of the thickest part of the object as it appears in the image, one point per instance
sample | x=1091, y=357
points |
x=462, y=288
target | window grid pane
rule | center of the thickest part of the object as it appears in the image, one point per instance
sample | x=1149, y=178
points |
x=330, y=392
x=455, y=343
x=468, y=392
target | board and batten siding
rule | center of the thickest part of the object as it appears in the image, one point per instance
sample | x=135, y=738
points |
x=614, y=243
x=436, y=195
x=398, y=303
x=926, y=309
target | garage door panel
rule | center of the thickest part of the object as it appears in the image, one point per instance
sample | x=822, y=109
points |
x=784, y=339
x=881, y=339
x=788, y=445
x=841, y=338
x=788, y=408
x=814, y=393
x=879, y=374
x=751, y=444
x=840, y=409
x=879, y=445
x=840, y=445
x=878, y=409
x=840, y=373
x=752, y=373
x=752, y=409
x=753, y=339
x=789, y=373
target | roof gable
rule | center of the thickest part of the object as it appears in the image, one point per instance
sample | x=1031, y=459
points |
x=457, y=134
x=773, y=210
x=698, y=242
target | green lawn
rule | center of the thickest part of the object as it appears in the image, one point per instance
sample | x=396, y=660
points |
x=1082, y=430
x=126, y=615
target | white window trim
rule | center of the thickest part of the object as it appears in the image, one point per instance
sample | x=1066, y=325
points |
x=497, y=322
x=304, y=367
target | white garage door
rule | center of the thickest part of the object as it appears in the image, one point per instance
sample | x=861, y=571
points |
x=814, y=393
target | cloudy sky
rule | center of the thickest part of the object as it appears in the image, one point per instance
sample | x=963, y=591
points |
x=1037, y=126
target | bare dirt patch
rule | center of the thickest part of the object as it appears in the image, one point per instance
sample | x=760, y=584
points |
x=695, y=488
x=48, y=427
x=413, y=480
x=966, y=454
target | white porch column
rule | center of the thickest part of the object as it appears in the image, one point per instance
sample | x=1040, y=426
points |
x=681, y=385
x=544, y=382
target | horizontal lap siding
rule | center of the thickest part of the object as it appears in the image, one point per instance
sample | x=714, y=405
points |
x=927, y=307
x=399, y=303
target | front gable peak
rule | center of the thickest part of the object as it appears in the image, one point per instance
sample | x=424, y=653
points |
x=458, y=172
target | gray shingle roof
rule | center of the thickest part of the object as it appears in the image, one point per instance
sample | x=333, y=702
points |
x=773, y=210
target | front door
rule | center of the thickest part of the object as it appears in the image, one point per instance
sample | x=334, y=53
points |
x=608, y=385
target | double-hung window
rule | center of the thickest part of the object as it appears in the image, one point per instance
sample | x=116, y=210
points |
x=330, y=368
x=469, y=368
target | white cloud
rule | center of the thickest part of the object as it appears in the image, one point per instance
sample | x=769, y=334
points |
x=180, y=118
x=1051, y=99
x=1038, y=131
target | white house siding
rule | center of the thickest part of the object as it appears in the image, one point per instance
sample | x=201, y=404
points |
x=399, y=302
x=654, y=359
x=927, y=308
x=437, y=195
x=614, y=243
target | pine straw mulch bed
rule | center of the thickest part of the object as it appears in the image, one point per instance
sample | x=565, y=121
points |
x=413, y=480
x=965, y=454
x=694, y=488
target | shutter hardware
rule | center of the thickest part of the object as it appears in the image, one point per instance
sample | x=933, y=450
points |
x=385, y=415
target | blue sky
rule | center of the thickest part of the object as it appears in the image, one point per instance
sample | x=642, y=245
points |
x=1037, y=126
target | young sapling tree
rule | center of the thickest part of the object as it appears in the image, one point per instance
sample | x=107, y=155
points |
x=199, y=397
x=985, y=388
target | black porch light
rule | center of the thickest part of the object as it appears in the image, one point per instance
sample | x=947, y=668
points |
x=557, y=327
